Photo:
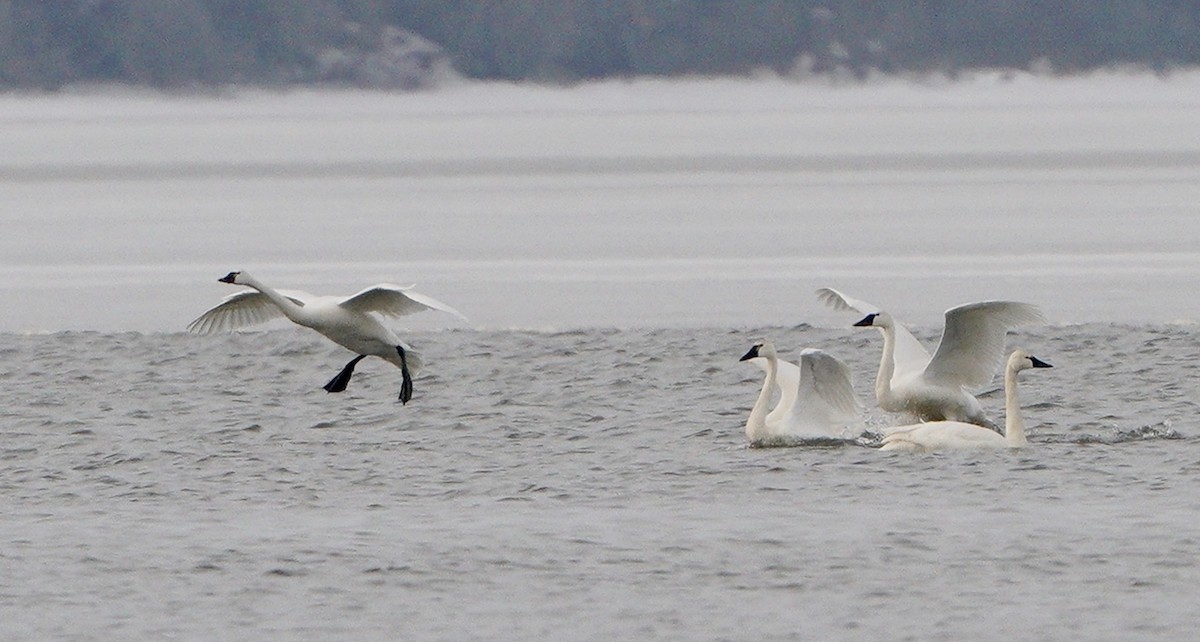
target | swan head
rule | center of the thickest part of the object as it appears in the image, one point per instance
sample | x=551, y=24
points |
x=875, y=319
x=232, y=277
x=764, y=349
x=1021, y=360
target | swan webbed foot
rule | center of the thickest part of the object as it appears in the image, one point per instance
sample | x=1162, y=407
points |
x=339, y=382
x=406, y=386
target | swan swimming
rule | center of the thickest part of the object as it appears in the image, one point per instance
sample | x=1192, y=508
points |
x=936, y=388
x=816, y=398
x=347, y=321
x=955, y=435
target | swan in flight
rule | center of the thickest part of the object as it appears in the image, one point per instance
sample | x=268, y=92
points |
x=347, y=321
x=955, y=435
x=816, y=399
x=934, y=388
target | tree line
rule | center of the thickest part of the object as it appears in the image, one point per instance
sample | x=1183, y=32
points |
x=48, y=44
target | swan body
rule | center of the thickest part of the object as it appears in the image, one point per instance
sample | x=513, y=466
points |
x=938, y=387
x=351, y=322
x=956, y=435
x=816, y=398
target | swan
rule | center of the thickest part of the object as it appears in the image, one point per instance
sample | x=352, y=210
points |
x=347, y=321
x=816, y=398
x=934, y=388
x=956, y=435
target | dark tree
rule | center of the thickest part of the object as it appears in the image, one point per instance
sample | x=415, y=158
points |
x=180, y=43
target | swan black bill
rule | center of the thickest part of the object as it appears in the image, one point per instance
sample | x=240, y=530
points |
x=406, y=386
x=867, y=321
x=339, y=382
x=752, y=354
x=228, y=278
x=1038, y=363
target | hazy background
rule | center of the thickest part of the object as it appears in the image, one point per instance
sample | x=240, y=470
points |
x=720, y=161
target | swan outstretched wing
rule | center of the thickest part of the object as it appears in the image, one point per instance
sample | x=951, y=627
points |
x=825, y=396
x=972, y=345
x=240, y=309
x=841, y=301
x=911, y=356
x=395, y=301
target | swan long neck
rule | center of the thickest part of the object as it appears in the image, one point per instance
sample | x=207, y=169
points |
x=286, y=305
x=1014, y=424
x=887, y=364
x=756, y=425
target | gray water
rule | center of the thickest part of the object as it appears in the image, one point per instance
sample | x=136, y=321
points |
x=579, y=485
x=573, y=464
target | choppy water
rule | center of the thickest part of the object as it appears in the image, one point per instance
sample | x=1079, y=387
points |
x=579, y=485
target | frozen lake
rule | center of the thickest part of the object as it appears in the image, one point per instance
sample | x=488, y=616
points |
x=612, y=205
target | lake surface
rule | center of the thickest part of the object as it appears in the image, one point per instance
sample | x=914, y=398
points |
x=579, y=485
x=573, y=463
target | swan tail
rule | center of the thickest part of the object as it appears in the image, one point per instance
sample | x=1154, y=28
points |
x=342, y=379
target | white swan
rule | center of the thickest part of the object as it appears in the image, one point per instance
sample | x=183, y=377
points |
x=936, y=388
x=955, y=435
x=347, y=321
x=816, y=398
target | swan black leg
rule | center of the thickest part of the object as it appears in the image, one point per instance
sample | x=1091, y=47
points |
x=406, y=387
x=339, y=383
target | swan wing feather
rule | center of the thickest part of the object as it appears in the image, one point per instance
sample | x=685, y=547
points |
x=972, y=345
x=395, y=301
x=911, y=357
x=825, y=400
x=241, y=309
x=841, y=301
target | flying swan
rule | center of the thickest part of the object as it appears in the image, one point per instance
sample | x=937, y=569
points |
x=816, y=399
x=955, y=435
x=937, y=388
x=347, y=321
